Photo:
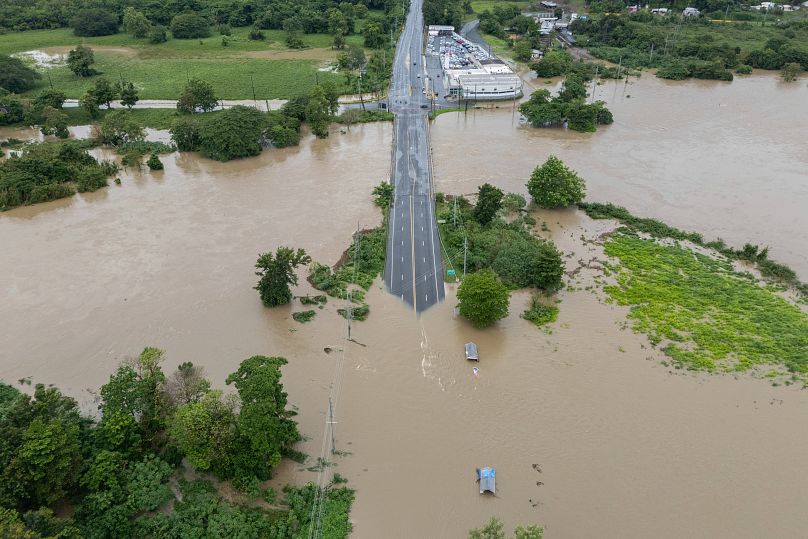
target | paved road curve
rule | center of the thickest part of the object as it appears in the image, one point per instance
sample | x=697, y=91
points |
x=414, y=268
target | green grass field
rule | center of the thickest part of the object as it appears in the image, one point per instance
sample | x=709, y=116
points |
x=160, y=71
x=704, y=314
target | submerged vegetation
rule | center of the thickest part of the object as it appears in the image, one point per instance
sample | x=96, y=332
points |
x=769, y=269
x=539, y=313
x=359, y=265
x=50, y=170
x=123, y=472
x=706, y=315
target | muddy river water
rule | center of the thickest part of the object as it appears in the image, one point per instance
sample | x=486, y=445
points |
x=624, y=447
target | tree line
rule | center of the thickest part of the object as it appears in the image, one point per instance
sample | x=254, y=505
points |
x=117, y=469
x=645, y=40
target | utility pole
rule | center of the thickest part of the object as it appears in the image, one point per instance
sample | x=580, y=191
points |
x=332, y=423
x=465, y=253
x=595, y=82
x=252, y=83
x=49, y=79
x=455, y=211
x=650, y=58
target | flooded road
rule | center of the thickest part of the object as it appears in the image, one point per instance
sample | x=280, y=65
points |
x=625, y=447
x=726, y=160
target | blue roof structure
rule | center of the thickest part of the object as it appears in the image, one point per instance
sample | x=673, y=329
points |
x=487, y=478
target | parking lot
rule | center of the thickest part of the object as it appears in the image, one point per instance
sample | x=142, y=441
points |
x=455, y=52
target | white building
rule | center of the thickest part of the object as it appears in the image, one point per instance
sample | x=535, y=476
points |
x=440, y=30
x=484, y=86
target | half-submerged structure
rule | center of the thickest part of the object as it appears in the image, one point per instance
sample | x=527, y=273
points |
x=471, y=352
x=487, y=479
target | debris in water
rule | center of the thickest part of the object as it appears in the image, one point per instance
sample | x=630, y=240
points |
x=475, y=370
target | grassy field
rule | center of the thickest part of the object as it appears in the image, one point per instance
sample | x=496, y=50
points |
x=160, y=71
x=704, y=314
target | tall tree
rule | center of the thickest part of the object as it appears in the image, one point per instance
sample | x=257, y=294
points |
x=489, y=201
x=277, y=272
x=128, y=94
x=553, y=185
x=135, y=389
x=203, y=430
x=135, y=22
x=79, y=61
x=197, y=94
x=293, y=26
x=40, y=449
x=318, y=112
x=264, y=423
x=104, y=92
x=483, y=299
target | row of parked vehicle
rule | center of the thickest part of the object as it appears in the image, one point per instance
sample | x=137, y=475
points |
x=457, y=51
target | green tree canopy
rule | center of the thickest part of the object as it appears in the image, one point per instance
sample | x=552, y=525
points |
x=15, y=76
x=197, y=94
x=104, y=92
x=135, y=390
x=483, y=299
x=128, y=94
x=318, y=112
x=94, y=22
x=79, y=61
x=276, y=273
x=524, y=263
x=119, y=127
x=204, y=431
x=135, y=22
x=40, y=449
x=265, y=425
x=233, y=133
x=190, y=26
x=489, y=201
x=553, y=185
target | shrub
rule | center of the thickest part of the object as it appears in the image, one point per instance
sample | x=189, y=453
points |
x=157, y=34
x=189, y=26
x=94, y=22
x=539, y=313
x=154, y=162
x=303, y=316
x=743, y=69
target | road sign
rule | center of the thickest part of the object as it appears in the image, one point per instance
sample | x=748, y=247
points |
x=450, y=272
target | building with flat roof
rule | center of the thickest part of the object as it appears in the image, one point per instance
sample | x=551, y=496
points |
x=485, y=86
x=440, y=30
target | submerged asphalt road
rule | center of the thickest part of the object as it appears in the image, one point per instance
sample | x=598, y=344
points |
x=414, y=268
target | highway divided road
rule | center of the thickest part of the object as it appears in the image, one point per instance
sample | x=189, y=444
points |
x=413, y=268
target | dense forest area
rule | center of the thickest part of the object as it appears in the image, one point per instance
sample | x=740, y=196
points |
x=121, y=475
x=45, y=14
x=682, y=47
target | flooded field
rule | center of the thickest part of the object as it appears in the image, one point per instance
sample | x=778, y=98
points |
x=726, y=160
x=625, y=447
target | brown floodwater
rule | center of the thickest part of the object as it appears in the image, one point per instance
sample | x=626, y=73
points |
x=728, y=160
x=626, y=448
